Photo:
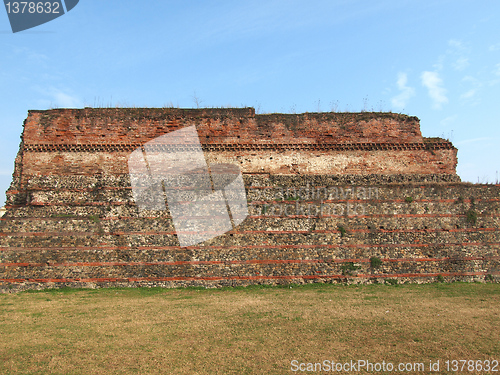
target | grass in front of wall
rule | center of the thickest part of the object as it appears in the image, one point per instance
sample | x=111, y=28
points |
x=255, y=330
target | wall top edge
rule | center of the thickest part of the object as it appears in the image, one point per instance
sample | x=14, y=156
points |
x=215, y=112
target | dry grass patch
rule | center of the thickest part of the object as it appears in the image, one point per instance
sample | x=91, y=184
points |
x=244, y=330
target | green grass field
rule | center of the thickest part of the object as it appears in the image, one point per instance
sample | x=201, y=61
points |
x=255, y=330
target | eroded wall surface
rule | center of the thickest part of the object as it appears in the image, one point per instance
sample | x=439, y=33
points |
x=89, y=141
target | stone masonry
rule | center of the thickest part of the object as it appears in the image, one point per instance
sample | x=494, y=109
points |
x=348, y=197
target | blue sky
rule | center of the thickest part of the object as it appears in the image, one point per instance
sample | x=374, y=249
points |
x=437, y=60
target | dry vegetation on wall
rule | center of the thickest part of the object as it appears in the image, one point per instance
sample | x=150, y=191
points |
x=250, y=330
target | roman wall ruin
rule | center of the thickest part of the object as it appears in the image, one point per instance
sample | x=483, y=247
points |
x=332, y=197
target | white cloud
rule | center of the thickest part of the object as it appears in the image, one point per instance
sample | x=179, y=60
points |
x=459, y=52
x=446, y=122
x=469, y=94
x=406, y=92
x=433, y=84
x=65, y=100
x=461, y=63
x=57, y=98
x=472, y=140
x=494, y=47
x=471, y=80
x=32, y=55
x=439, y=65
x=474, y=82
x=456, y=44
x=496, y=71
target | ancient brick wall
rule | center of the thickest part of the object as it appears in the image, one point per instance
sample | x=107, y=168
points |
x=88, y=232
x=126, y=126
x=89, y=141
x=332, y=197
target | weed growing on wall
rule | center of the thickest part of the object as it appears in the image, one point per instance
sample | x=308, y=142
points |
x=348, y=268
x=375, y=262
x=342, y=230
x=471, y=216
